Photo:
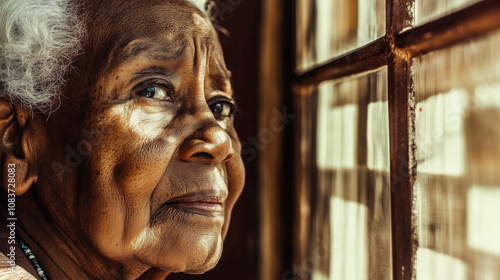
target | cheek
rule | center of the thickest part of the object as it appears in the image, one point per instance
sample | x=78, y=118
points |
x=126, y=167
x=146, y=122
x=236, y=179
x=140, y=170
x=147, y=151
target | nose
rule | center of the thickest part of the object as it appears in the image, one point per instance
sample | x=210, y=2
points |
x=208, y=145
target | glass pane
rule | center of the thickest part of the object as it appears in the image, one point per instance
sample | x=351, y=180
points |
x=427, y=10
x=457, y=136
x=351, y=205
x=328, y=28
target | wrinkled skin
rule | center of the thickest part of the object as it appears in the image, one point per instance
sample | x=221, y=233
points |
x=139, y=168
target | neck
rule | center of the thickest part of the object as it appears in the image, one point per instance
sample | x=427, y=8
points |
x=63, y=254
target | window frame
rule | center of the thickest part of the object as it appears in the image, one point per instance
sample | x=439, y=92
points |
x=395, y=50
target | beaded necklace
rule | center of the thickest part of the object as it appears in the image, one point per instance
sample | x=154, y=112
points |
x=29, y=254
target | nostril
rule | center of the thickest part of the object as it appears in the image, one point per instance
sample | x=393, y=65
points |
x=210, y=145
x=204, y=156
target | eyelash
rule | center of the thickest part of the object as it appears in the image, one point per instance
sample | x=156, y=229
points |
x=169, y=96
x=160, y=84
x=224, y=101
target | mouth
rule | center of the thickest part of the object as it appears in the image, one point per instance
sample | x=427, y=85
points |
x=209, y=203
x=210, y=206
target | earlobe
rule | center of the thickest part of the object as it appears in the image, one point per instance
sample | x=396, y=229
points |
x=17, y=132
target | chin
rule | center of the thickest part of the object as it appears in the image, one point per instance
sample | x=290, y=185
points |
x=205, y=267
x=195, y=264
x=191, y=253
x=200, y=259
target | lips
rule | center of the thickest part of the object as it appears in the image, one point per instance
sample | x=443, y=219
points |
x=208, y=203
x=209, y=206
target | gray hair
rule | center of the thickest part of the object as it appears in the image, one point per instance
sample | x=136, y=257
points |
x=38, y=41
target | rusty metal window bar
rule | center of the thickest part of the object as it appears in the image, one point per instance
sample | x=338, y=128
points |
x=442, y=195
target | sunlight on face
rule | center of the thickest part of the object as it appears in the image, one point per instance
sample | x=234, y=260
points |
x=158, y=188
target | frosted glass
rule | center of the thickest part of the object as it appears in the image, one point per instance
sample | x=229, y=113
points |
x=377, y=151
x=328, y=28
x=336, y=126
x=426, y=10
x=457, y=184
x=352, y=199
x=482, y=216
x=441, y=147
x=430, y=264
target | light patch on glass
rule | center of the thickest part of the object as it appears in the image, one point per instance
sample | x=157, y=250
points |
x=483, y=223
x=323, y=43
x=319, y=275
x=338, y=138
x=336, y=131
x=487, y=95
x=378, y=136
x=440, y=133
x=427, y=10
x=432, y=265
x=349, y=256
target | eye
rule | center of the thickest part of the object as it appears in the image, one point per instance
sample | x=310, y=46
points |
x=156, y=91
x=222, y=109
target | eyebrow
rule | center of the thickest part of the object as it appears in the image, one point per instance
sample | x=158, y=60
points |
x=153, y=50
x=154, y=70
x=221, y=81
x=227, y=75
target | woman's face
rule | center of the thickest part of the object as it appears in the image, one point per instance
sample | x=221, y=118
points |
x=145, y=161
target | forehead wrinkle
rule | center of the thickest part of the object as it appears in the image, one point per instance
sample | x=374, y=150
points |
x=201, y=52
x=221, y=83
x=218, y=75
x=202, y=23
x=154, y=70
x=151, y=50
x=222, y=72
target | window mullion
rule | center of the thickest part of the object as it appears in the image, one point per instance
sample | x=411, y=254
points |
x=465, y=24
x=369, y=57
x=399, y=16
x=401, y=179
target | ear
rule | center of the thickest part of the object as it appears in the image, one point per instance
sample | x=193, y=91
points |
x=17, y=152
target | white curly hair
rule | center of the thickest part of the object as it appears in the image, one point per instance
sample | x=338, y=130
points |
x=38, y=41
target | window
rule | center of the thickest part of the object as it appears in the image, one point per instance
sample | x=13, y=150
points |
x=398, y=108
x=352, y=193
x=457, y=188
x=334, y=27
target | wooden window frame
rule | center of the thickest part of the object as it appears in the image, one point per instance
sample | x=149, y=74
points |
x=395, y=50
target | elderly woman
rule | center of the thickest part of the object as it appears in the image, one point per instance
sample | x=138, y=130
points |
x=118, y=151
